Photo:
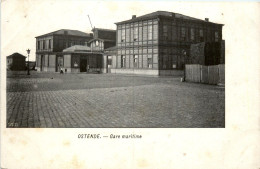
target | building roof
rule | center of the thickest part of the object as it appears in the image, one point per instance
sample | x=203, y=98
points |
x=111, y=48
x=16, y=55
x=77, y=48
x=67, y=32
x=103, y=40
x=102, y=29
x=162, y=13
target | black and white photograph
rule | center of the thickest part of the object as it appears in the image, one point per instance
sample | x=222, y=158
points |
x=143, y=84
x=157, y=69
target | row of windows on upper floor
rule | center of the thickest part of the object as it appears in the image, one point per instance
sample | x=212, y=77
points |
x=44, y=44
x=48, y=44
x=150, y=32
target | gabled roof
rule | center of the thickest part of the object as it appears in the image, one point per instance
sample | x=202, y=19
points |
x=77, y=48
x=68, y=32
x=16, y=55
x=162, y=13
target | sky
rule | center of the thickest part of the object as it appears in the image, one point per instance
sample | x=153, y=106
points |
x=23, y=20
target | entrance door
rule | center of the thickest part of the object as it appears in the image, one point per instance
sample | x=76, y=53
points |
x=83, y=64
x=42, y=62
x=59, y=63
x=109, y=64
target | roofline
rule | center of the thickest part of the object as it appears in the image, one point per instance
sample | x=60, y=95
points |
x=52, y=33
x=16, y=53
x=103, y=40
x=112, y=30
x=142, y=18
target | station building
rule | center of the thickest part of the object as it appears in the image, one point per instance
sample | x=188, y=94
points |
x=159, y=43
x=50, y=46
x=74, y=51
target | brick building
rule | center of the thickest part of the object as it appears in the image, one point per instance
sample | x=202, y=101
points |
x=16, y=61
x=49, y=48
x=159, y=43
x=74, y=51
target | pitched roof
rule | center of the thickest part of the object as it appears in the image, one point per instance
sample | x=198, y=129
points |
x=68, y=32
x=16, y=54
x=162, y=13
x=77, y=48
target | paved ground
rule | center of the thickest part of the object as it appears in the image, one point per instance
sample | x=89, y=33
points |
x=109, y=100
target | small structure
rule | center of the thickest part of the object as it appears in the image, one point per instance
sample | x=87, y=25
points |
x=80, y=59
x=16, y=61
x=103, y=39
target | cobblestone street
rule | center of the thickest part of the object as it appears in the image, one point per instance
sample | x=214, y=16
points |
x=109, y=100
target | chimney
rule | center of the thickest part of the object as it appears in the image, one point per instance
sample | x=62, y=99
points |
x=206, y=19
x=133, y=16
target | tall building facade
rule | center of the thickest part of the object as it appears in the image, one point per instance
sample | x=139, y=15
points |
x=159, y=43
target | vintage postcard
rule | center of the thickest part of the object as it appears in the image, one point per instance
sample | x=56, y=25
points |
x=129, y=84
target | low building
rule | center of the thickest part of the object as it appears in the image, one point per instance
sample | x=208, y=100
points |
x=16, y=61
x=81, y=59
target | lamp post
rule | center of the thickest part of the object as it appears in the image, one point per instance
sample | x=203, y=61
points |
x=28, y=67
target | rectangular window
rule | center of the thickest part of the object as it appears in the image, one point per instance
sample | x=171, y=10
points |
x=216, y=37
x=127, y=35
x=135, y=61
x=132, y=34
x=49, y=43
x=123, y=35
x=119, y=36
x=145, y=33
x=140, y=33
x=183, y=34
x=155, y=32
x=39, y=45
x=201, y=35
x=149, y=61
x=135, y=33
x=165, y=32
x=122, y=61
x=192, y=34
x=150, y=32
x=44, y=44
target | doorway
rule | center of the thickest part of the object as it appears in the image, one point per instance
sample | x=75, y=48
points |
x=42, y=62
x=59, y=64
x=83, y=64
x=109, y=64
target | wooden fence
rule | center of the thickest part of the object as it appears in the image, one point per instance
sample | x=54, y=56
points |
x=205, y=74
